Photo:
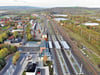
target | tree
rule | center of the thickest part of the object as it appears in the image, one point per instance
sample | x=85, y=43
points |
x=0, y=67
x=46, y=39
x=15, y=34
x=1, y=39
x=45, y=58
x=3, y=52
x=13, y=49
x=4, y=35
x=9, y=33
x=16, y=57
x=29, y=36
x=2, y=62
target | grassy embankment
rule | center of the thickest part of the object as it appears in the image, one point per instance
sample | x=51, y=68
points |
x=79, y=40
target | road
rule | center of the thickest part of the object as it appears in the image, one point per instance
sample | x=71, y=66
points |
x=6, y=67
x=18, y=68
x=24, y=36
x=19, y=64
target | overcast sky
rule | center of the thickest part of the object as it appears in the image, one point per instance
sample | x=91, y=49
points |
x=51, y=3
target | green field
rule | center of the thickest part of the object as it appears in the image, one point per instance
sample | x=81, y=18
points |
x=4, y=28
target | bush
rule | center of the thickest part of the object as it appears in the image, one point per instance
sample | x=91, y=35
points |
x=10, y=48
x=24, y=73
x=3, y=52
x=2, y=63
x=16, y=57
x=0, y=67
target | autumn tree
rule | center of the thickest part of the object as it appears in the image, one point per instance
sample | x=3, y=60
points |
x=16, y=57
x=29, y=36
x=45, y=59
x=15, y=34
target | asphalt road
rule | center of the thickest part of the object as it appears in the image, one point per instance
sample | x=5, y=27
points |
x=24, y=36
x=6, y=67
x=19, y=65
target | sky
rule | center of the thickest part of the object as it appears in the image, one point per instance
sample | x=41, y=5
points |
x=51, y=3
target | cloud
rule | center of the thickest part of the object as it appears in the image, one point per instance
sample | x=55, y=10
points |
x=51, y=3
x=20, y=1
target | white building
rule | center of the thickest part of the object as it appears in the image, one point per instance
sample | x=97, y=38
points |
x=91, y=24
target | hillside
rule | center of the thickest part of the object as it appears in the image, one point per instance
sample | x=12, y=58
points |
x=72, y=10
x=18, y=7
x=18, y=10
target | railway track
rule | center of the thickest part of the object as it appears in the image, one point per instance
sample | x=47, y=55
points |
x=75, y=68
x=88, y=69
x=65, y=58
x=53, y=52
x=69, y=65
